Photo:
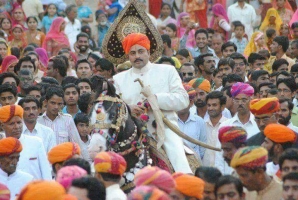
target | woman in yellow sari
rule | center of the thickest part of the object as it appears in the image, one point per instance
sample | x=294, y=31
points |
x=272, y=21
x=255, y=44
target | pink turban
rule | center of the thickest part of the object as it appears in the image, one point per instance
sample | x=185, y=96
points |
x=241, y=88
x=67, y=174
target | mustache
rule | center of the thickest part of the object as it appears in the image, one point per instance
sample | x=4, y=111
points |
x=138, y=59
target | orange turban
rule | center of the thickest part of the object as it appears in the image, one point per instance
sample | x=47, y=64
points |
x=4, y=192
x=63, y=152
x=9, y=146
x=264, y=106
x=189, y=185
x=279, y=133
x=133, y=39
x=109, y=162
x=42, y=190
x=200, y=83
x=148, y=193
x=156, y=177
x=8, y=112
x=250, y=157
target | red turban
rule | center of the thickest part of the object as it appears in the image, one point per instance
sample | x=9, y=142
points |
x=233, y=134
x=63, y=152
x=264, y=106
x=279, y=133
x=156, y=177
x=8, y=112
x=4, y=192
x=133, y=39
x=189, y=185
x=9, y=146
x=109, y=162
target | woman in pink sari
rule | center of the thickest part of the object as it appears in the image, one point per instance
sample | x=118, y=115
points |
x=220, y=21
x=56, y=39
x=183, y=22
x=18, y=17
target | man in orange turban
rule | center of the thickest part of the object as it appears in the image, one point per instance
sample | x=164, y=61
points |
x=265, y=111
x=133, y=39
x=109, y=168
x=187, y=187
x=62, y=152
x=278, y=139
x=14, y=179
x=250, y=164
x=12, y=113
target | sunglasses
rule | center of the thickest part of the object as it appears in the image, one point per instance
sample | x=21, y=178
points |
x=188, y=74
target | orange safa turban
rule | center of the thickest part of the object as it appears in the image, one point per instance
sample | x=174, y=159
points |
x=63, y=152
x=200, y=83
x=279, y=133
x=109, y=162
x=133, y=39
x=264, y=106
x=9, y=146
x=8, y=112
x=189, y=185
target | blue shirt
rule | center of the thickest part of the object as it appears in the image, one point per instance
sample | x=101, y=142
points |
x=84, y=12
x=195, y=52
x=102, y=31
x=112, y=17
x=47, y=22
x=64, y=110
x=241, y=44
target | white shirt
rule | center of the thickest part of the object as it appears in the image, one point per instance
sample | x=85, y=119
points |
x=226, y=113
x=15, y=182
x=292, y=127
x=114, y=192
x=72, y=30
x=44, y=133
x=33, y=158
x=271, y=168
x=251, y=126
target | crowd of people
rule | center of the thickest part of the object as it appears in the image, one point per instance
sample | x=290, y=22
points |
x=227, y=76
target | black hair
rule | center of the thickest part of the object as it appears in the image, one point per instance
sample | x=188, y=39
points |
x=283, y=41
x=80, y=162
x=237, y=55
x=270, y=32
x=227, y=180
x=29, y=99
x=28, y=49
x=105, y=64
x=96, y=189
x=294, y=25
x=166, y=59
x=273, y=91
x=285, y=73
x=68, y=79
x=59, y=63
x=226, y=61
x=83, y=61
x=15, y=51
x=82, y=34
x=215, y=72
x=33, y=88
x=238, y=24
x=293, y=176
x=71, y=85
x=294, y=68
x=9, y=75
x=84, y=80
x=8, y=88
x=290, y=103
x=265, y=53
x=228, y=89
x=277, y=63
x=210, y=30
x=172, y=26
x=24, y=59
x=51, y=91
x=256, y=74
x=183, y=52
x=63, y=57
x=273, y=74
x=269, y=84
x=289, y=82
x=231, y=78
x=84, y=101
x=110, y=177
x=289, y=154
x=208, y=174
x=201, y=31
x=217, y=95
x=253, y=57
x=33, y=53
x=81, y=118
x=49, y=80
x=201, y=59
x=93, y=56
x=228, y=44
x=166, y=39
x=31, y=17
x=69, y=8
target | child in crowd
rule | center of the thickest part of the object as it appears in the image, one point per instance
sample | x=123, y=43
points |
x=81, y=121
x=85, y=14
x=265, y=53
x=18, y=37
x=50, y=15
x=270, y=35
x=239, y=40
x=255, y=44
x=171, y=30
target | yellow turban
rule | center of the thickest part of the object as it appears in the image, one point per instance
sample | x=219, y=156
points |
x=200, y=83
x=133, y=39
x=279, y=133
x=264, y=106
x=8, y=112
x=63, y=152
x=250, y=157
x=109, y=162
x=9, y=146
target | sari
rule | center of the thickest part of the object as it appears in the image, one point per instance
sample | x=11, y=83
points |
x=294, y=18
x=252, y=46
x=43, y=58
x=220, y=23
x=8, y=61
x=190, y=43
x=14, y=21
x=272, y=12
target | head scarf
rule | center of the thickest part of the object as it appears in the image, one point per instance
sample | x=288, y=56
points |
x=8, y=61
x=133, y=39
x=200, y=83
x=250, y=157
x=233, y=134
x=242, y=88
x=4, y=192
x=42, y=190
x=109, y=162
x=148, y=193
x=251, y=47
x=43, y=56
x=156, y=177
x=13, y=20
x=9, y=146
x=183, y=14
x=271, y=12
x=294, y=18
x=55, y=33
x=190, y=91
x=279, y=133
x=67, y=174
x=220, y=12
x=63, y=152
x=8, y=112
x=189, y=185
x=264, y=106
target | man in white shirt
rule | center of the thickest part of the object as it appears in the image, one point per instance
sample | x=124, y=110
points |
x=73, y=25
x=33, y=159
x=284, y=114
x=14, y=179
x=31, y=127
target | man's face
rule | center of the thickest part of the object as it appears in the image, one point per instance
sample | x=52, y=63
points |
x=239, y=68
x=84, y=88
x=201, y=40
x=35, y=93
x=228, y=51
x=241, y=102
x=54, y=105
x=283, y=67
x=30, y=112
x=210, y=36
x=294, y=51
x=228, y=192
x=284, y=92
x=84, y=70
x=274, y=48
x=26, y=81
x=7, y=98
x=200, y=100
x=229, y=150
x=265, y=119
x=138, y=56
x=284, y=114
x=27, y=65
x=289, y=166
x=229, y=103
x=83, y=44
x=290, y=190
x=209, y=65
x=9, y=163
x=73, y=13
x=10, y=81
x=258, y=64
x=264, y=91
x=225, y=70
x=214, y=108
x=51, y=72
x=71, y=96
x=269, y=145
x=248, y=178
x=34, y=59
x=263, y=79
x=80, y=193
x=83, y=129
x=188, y=72
x=14, y=127
x=217, y=42
x=209, y=191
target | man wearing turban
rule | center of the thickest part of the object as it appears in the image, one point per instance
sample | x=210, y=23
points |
x=166, y=90
x=12, y=178
x=266, y=112
x=109, y=168
x=242, y=94
x=278, y=139
x=250, y=164
x=33, y=159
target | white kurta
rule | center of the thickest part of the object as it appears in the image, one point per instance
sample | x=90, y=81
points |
x=114, y=192
x=166, y=84
x=15, y=182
